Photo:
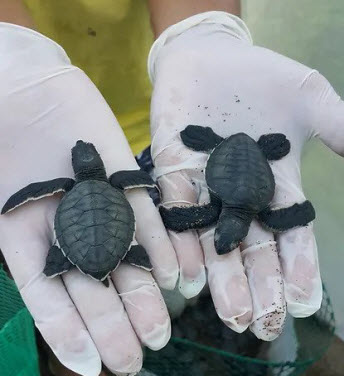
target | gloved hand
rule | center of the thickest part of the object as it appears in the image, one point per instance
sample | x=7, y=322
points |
x=46, y=105
x=206, y=72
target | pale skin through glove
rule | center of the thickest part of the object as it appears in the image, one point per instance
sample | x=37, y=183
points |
x=206, y=71
x=46, y=105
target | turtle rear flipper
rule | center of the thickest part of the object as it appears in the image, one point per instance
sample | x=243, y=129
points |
x=274, y=145
x=284, y=219
x=137, y=256
x=36, y=191
x=128, y=179
x=56, y=262
x=200, y=138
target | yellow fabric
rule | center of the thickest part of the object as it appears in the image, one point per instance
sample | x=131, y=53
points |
x=110, y=41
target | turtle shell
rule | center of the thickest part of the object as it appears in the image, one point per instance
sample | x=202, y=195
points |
x=94, y=226
x=239, y=174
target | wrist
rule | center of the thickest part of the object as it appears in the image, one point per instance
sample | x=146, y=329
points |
x=25, y=53
x=165, y=13
x=15, y=12
x=217, y=21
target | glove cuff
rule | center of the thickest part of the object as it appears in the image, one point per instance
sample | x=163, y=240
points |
x=233, y=25
x=23, y=49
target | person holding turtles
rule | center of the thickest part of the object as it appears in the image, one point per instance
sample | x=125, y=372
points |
x=205, y=72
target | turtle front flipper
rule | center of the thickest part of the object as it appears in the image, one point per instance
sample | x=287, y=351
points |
x=36, y=191
x=56, y=262
x=137, y=256
x=280, y=220
x=128, y=179
x=200, y=138
x=191, y=217
x=274, y=145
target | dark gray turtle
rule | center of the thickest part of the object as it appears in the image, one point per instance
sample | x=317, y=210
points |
x=94, y=222
x=241, y=186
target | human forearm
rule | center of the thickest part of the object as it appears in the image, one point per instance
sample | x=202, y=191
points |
x=165, y=13
x=14, y=11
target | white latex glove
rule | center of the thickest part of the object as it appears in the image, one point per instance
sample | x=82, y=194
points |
x=46, y=105
x=206, y=72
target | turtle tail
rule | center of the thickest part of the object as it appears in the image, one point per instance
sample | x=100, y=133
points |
x=231, y=229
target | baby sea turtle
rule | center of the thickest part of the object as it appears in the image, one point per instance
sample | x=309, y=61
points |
x=94, y=222
x=241, y=186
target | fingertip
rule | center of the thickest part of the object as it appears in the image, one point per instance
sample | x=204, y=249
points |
x=269, y=326
x=303, y=297
x=190, y=286
x=130, y=369
x=126, y=374
x=302, y=281
x=301, y=311
x=303, y=308
x=84, y=361
x=239, y=322
x=167, y=279
x=228, y=285
x=144, y=305
x=192, y=275
x=60, y=324
x=159, y=336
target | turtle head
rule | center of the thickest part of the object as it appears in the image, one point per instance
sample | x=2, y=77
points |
x=86, y=162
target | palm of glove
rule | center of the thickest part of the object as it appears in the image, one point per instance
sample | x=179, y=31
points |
x=209, y=78
x=46, y=106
